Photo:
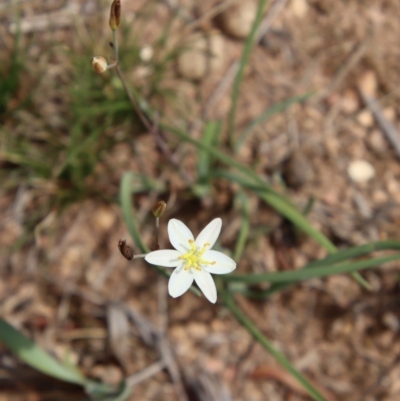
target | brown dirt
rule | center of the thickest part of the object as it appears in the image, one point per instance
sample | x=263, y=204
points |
x=344, y=339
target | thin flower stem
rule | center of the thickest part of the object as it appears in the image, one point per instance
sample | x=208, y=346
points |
x=115, y=46
x=131, y=98
x=156, y=231
x=259, y=336
x=250, y=41
x=110, y=66
x=134, y=104
x=142, y=255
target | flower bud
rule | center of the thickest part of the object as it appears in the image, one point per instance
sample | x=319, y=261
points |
x=115, y=14
x=159, y=208
x=125, y=250
x=99, y=64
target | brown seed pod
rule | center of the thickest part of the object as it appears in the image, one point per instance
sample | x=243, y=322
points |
x=115, y=14
x=125, y=249
x=159, y=208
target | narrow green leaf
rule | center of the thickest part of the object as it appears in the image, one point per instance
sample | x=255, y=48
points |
x=253, y=182
x=125, y=197
x=266, y=343
x=265, y=115
x=243, y=200
x=330, y=260
x=304, y=274
x=122, y=393
x=209, y=138
x=285, y=208
x=248, y=46
x=35, y=357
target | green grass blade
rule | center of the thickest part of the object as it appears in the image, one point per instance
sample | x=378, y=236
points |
x=304, y=274
x=270, y=196
x=122, y=393
x=276, y=108
x=243, y=200
x=125, y=198
x=285, y=208
x=248, y=46
x=210, y=138
x=340, y=256
x=259, y=336
x=35, y=357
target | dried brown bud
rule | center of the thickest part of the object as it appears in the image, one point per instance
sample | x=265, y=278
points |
x=125, y=250
x=159, y=208
x=99, y=64
x=115, y=14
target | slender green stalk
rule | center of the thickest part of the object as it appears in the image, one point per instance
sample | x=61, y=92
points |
x=259, y=336
x=340, y=256
x=286, y=209
x=276, y=108
x=242, y=65
x=37, y=358
x=125, y=197
x=304, y=274
x=115, y=45
x=244, y=227
x=252, y=181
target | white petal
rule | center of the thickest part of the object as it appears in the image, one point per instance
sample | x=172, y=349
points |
x=223, y=264
x=179, y=235
x=209, y=234
x=206, y=284
x=180, y=281
x=164, y=257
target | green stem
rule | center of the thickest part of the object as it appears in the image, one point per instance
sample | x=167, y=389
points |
x=304, y=274
x=259, y=336
x=243, y=62
x=269, y=195
x=115, y=46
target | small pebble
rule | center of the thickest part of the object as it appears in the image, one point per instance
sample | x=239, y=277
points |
x=299, y=8
x=368, y=83
x=349, y=102
x=146, y=53
x=391, y=321
x=365, y=118
x=377, y=142
x=204, y=55
x=298, y=169
x=360, y=171
x=238, y=19
x=390, y=113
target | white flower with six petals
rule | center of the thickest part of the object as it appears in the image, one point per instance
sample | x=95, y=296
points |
x=193, y=259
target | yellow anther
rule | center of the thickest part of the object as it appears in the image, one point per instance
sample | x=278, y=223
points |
x=193, y=256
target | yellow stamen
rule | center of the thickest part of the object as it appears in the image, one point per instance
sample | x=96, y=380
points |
x=193, y=257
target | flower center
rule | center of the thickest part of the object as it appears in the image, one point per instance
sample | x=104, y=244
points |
x=194, y=256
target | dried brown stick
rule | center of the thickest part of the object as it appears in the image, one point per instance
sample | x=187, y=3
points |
x=152, y=337
x=145, y=374
x=276, y=8
x=231, y=72
x=390, y=131
x=149, y=334
x=353, y=58
x=221, y=89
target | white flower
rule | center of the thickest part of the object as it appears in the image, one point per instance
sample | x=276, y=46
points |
x=193, y=259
